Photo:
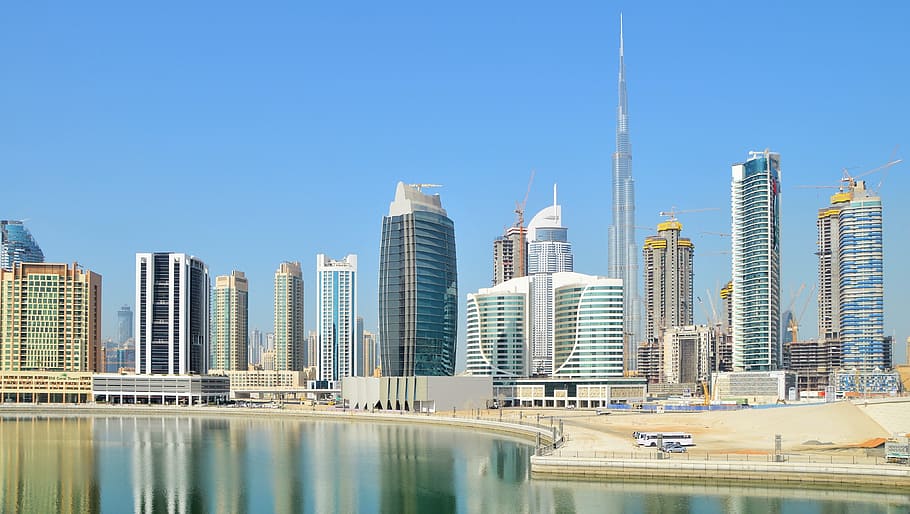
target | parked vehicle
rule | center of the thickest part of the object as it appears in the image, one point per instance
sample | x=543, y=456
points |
x=672, y=448
x=651, y=439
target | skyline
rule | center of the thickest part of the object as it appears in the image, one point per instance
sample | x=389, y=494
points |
x=155, y=133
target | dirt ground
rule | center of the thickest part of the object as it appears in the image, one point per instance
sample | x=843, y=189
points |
x=743, y=431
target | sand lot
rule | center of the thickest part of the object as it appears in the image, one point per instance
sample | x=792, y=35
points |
x=746, y=430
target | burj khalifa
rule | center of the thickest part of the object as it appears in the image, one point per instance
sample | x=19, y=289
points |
x=623, y=252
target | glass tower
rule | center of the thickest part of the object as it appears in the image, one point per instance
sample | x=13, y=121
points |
x=418, y=286
x=549, y=252
x=124, y=324
x=497, y=328
x=17, y=245
x=623, y=252
x=851, y=276
x=755, y=193
x=336, y=316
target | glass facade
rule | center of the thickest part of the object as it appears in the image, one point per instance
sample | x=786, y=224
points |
x=497, y=325
x=756, y=263
x=861, y=286
x=17, y=245
x=418, y=290
x=588, y=328
x=336, y=316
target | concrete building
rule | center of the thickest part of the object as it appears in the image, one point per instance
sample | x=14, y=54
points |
x=850, y=276
x=230, y=322
x=50, y=318
x=751, y=386
x=755, y=239
x=312, y=348
x=417, y=394
x=669, y=275
x=370, y=354
x=160, y=389
x=813, y=362
x=622, y=248
x=498, y=326
x=45, y=387
x=124, y=324
x=510, y=260
x=687, y=354
x=651, y=361
x=172, y=314
x=336, y=316
x=289, y=332
x=17, y=245
x=418, y=286
x=549, y=252
x=587, y=326
x=268, y=360
x=581, y=393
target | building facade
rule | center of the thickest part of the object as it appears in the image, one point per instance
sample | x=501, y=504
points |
x=418, y=286
x=289, y=332
x=851, y=276
x=50, y=318
x=336, y=316
x=687, y=354
x=230, y=322
x=669, y=276
x=370, y=354
x=172, y=314
x=510, y=260
x=623, y=251
x=549, y=252
x=755, y=239
x=17, y=245
x=125, y=324
x=498, y=326
x=587, y=326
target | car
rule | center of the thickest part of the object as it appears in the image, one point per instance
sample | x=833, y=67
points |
x=672, y=448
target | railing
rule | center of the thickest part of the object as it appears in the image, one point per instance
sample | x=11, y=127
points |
x=721, y=457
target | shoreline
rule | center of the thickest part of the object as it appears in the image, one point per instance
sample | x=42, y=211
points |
x=552, y=465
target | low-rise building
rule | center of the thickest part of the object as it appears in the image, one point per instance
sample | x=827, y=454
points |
x=417, y=394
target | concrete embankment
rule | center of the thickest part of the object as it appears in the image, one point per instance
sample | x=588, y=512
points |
x=527, y=432
x=713, y=471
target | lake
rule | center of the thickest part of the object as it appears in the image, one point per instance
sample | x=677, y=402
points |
x=119, y=464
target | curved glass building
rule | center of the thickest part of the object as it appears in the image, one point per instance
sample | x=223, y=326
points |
x=17, y=245
x=418, y=286
x=497, y=328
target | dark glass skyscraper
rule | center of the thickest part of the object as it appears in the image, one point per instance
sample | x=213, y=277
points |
x=418, y=286
x=17, y=245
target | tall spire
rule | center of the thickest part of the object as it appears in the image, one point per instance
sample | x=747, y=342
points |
x=622, y=250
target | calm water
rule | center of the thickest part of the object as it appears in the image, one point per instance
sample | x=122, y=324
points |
x=170, y=464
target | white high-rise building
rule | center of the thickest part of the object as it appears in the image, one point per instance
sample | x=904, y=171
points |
x=587, y=326
x=172, y=314
x=549, y=252
x=755, y=241
x=336, y=316
x=498, y=325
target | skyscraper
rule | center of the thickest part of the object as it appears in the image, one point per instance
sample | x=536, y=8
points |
x=369, y=353
x=124, y=324
x=755, y=241
x=230, y=322
x=257, y=343
x=623, y=252
x=850, y=275
x=289, y=335
x=17, y=245
x=549, y=252
x=336, y=316
x=668, y=280
x=50, y=318
x=587, y=326
x=509, y=260
x=498, y=329
x=172, y=314
x=418, y=286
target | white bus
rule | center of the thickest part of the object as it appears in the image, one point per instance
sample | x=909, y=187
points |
x=650, y=439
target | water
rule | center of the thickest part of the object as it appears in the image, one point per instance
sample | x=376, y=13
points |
x=194, y=464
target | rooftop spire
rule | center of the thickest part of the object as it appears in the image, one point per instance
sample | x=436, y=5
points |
x=620, y=34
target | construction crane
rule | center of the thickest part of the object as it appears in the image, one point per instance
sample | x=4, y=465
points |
x=671, y=214
x=719, y=234
x=420, y=187
x=793, y=325
x=848, y=182
x=520, y=270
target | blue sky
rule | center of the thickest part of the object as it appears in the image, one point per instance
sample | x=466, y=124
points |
x=251, y=135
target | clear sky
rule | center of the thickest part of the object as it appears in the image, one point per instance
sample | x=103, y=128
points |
x=248, y=135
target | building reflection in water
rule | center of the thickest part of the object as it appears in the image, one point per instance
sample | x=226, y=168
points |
x=48, y=465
